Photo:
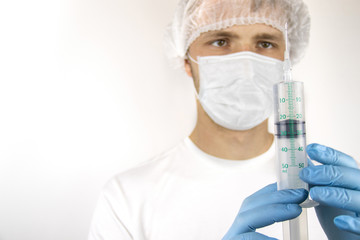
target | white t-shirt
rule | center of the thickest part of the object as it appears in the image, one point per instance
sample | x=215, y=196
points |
x=184, y=193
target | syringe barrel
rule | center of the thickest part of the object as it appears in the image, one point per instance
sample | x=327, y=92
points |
x=283, y=105
x=290, y=134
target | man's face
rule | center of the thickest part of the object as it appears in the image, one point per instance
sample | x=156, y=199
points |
x=258, y=38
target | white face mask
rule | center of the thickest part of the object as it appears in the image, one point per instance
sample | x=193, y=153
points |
x=236, y=90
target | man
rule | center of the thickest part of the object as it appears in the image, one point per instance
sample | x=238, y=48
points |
x=233, y=50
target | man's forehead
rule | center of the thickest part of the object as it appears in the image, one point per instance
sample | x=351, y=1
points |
x=256, y=31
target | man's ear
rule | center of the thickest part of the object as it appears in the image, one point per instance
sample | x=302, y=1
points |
x=187, y=67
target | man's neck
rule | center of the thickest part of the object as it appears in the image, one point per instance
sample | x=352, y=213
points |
x=229, y=144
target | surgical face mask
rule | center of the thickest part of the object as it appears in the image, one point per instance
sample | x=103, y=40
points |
x=236, y=90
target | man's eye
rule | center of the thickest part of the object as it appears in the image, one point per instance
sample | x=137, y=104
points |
x=219, y=43
x=266, y=45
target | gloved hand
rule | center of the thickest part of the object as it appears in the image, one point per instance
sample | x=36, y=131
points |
x=264, y=208
x=336, y=186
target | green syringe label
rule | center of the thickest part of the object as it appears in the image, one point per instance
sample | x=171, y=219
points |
x=284, y=167
x=290, y=116
x=285, y=149
x=283, y=100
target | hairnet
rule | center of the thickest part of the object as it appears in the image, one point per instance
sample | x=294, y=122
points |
x=193, y=17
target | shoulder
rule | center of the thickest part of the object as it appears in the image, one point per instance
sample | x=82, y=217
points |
x=144, y=177
x=130, y=196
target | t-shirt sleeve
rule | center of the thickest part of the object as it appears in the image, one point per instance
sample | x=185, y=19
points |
x=110, y=217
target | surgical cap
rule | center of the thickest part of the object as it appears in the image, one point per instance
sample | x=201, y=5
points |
x=193, y=17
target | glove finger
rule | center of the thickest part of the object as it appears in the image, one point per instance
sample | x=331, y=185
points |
x=337, y=197
x=326, y=215
x=334, y=176
x=310, y=163
x=349, y=224
x=251, y=236
x=267, y=189
x=329, y=156
x=250, y=220
x=276, y=197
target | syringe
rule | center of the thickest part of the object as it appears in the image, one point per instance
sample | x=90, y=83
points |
x=290, y=143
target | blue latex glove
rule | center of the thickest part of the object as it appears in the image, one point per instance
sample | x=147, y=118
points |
x=336, y=186
x=264, y=208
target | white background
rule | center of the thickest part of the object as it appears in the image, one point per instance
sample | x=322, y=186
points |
x=86, y=92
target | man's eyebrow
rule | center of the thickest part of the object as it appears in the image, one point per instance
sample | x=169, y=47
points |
x=217, y=34
x=268, y=36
